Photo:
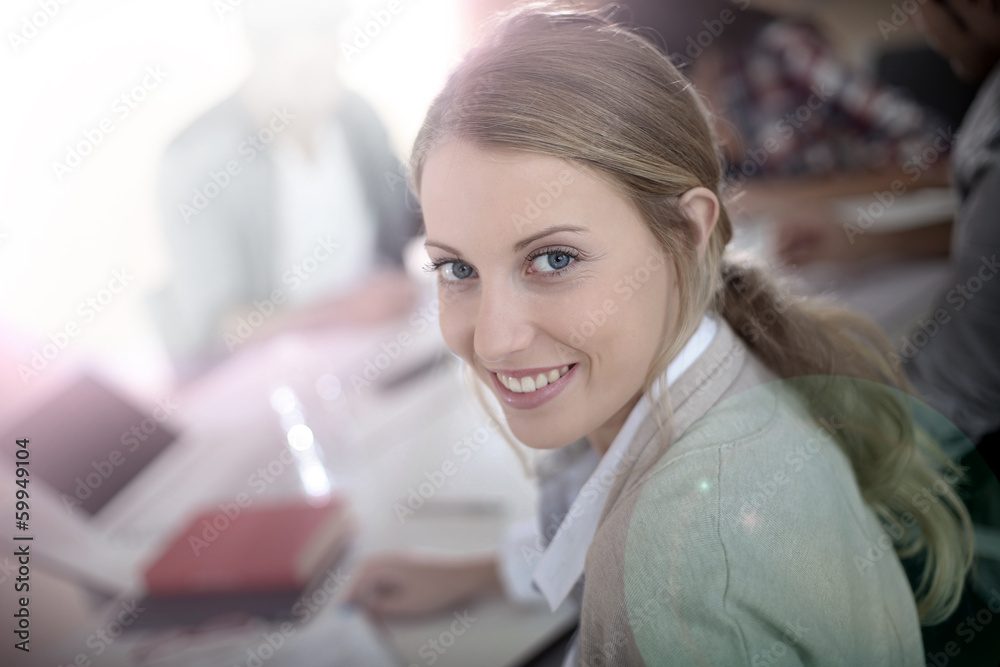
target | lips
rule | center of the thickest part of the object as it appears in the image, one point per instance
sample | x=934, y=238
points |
x=510, y=386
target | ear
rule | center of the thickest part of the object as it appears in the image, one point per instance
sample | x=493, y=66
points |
x=702, y=208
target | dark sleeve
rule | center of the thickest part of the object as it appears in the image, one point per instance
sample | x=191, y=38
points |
x=383, y=177
x=954, y=356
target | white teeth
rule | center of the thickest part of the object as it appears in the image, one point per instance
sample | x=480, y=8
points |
x=528, y=384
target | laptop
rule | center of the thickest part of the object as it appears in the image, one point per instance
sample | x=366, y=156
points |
x=88, y=447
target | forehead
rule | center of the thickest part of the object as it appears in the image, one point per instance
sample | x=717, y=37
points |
x=456, y=166
x=467, y=190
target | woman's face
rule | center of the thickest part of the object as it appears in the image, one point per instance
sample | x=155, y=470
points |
x=551, y=288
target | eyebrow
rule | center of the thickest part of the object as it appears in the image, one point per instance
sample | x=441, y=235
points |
x=520, y=245
x=446, y=248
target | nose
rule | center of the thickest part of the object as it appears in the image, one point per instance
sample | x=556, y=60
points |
x=504, y=324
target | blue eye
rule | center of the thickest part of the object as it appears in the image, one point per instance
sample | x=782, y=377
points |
x=551, y=261
x=455, y=271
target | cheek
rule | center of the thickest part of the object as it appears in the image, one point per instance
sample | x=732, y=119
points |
x=457, y=322
x=636, y=330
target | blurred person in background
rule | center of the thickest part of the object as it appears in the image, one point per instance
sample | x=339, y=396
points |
x=953, y=358
x=282, y=205
x=958, y=369
x=798, y=125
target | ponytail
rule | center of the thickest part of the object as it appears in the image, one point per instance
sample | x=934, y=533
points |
x=843, y=366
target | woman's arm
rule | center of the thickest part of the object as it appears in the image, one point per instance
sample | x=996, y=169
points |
x=409, y=583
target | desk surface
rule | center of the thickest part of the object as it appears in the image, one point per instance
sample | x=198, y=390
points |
x=378, y=446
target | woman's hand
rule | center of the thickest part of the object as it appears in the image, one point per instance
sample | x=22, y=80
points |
x=405, y=583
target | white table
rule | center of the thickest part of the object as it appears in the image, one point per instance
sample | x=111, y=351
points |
x=377, y=444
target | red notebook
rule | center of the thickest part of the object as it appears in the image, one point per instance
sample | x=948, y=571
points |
x=264, y=548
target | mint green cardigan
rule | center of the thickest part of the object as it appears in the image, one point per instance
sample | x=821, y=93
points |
x=746, y=543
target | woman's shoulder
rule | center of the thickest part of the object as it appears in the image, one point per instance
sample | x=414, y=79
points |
x=758, y=447
x=757, y=504
x=765, y=414
x=764, y=490
x=755, y=442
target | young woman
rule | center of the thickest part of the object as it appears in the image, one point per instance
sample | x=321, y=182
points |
x=753, y=467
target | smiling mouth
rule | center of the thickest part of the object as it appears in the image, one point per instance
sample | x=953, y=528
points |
x=532, y=383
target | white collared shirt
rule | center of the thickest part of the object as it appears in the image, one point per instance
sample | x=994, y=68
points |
x=561, y=566
x=326, y=237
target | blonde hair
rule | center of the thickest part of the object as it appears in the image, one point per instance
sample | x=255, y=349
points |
x=569, y=83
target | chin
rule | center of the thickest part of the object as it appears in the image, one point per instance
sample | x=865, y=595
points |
x=539, y=437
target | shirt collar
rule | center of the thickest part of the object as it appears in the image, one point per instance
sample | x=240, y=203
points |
x=561, y=565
